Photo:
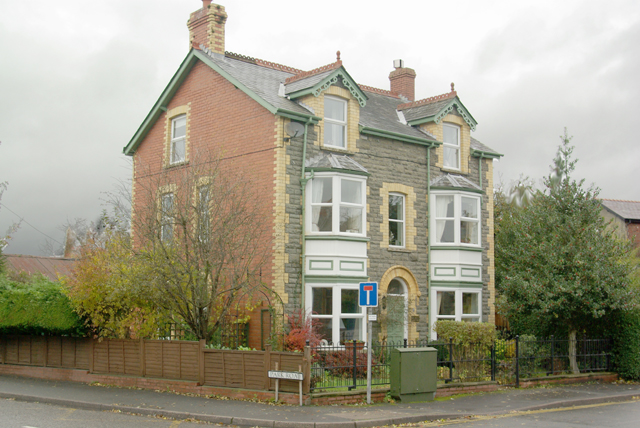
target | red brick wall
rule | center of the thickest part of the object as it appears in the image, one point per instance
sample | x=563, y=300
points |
x=633, y=232
x=223, y=119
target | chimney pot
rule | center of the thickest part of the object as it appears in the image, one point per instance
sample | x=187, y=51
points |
x=403, y=80
x=206, y=27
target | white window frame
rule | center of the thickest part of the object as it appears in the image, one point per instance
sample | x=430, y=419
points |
x=178, y=140
x=457, y=218
x=166, y=219
x=336, y=203
x=401, y=223
x=448, y=145
x=458, y=316
x=336, y=311
x=203, y=225
x=337, y=122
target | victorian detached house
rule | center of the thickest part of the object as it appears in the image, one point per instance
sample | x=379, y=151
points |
x=366, y=184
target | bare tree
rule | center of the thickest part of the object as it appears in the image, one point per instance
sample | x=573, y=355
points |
x=199, y=232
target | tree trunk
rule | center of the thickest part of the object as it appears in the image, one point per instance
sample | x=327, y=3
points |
x=572, y=352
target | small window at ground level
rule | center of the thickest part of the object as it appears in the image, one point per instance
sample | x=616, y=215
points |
x=335, y=310
x=455, y=304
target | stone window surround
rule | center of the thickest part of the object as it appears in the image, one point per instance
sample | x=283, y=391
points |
x=170, y=115
x=410, y=215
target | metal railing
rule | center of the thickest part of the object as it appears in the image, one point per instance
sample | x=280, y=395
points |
x=506, y=361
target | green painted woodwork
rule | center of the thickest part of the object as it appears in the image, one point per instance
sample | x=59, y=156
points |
x=338, y=170
x=335, y=279
x=311, y=262
x=351, y=269
x=399, y=137
x=451, y=248
x=456, y=284
x=443, y=269
x=458, y=189
x=336, y=238
x=476, y=275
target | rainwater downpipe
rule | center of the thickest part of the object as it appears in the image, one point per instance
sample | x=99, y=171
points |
x=429, y=235
x=303, y=186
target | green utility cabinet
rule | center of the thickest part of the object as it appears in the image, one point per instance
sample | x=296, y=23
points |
x=414, y=374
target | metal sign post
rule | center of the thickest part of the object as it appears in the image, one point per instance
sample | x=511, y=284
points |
x=368, y=298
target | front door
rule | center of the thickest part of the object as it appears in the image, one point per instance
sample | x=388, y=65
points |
x=396, y=312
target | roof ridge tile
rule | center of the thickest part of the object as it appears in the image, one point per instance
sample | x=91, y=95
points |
x=262, y=63
x=430, y=100
x=315, y=71
x=378, y=91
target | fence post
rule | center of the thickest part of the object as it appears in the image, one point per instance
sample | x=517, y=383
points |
x=267, y=366
x=553, y=354
x=450, y=360
x=584, y=352
x=306, y=367
x=355, y=367
x=143, y=360
x=405, y=343
x=518, y=361
x=201, y=347
x=91, y=352
x=493, y=362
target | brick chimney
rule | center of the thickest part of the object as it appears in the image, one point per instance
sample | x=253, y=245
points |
x=403, y=80
x=206, y=27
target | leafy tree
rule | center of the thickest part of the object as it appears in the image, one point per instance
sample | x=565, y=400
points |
x=559, y=267
x=105, y=293
x=201, y=241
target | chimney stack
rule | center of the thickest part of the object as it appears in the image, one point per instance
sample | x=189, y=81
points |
x=206, y=27
x=403, y=80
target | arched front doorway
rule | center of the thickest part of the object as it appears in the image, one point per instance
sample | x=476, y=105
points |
x=397, y=311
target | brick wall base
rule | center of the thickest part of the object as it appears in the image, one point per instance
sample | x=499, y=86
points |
x=325, y=398
x=169, y=385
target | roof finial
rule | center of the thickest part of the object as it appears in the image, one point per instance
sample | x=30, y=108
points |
x=337, y=55
x=453, y=87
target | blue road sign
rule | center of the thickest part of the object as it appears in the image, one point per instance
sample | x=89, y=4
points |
x=368, y=294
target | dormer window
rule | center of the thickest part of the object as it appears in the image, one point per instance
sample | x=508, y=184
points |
x=178, y=138
x=451, y=146
x=335, y=122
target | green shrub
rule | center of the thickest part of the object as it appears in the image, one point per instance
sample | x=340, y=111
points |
x=36, y=305
x=626, y=344
x=466, y=333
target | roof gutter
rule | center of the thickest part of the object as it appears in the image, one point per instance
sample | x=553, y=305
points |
x=397, y=136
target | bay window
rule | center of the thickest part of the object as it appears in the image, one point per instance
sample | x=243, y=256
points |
x=337, y=205
x=456, y=219
x=336, y=310
x=455, y=304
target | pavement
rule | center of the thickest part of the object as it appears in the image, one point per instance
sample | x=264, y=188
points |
x=248, y=413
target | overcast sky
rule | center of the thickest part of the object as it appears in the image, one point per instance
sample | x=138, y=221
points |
x=77, y=78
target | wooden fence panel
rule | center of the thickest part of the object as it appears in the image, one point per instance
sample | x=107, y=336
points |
x=171, y=359
x=214, y=367
x=287, y=361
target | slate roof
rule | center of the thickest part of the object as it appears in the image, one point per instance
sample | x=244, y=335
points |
x=330, y=160
x=306, y=82
x=263, y=81
x=628, y=210
x=451, y=180
x=427, y=110
x=477, y=145
x=50, y=267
